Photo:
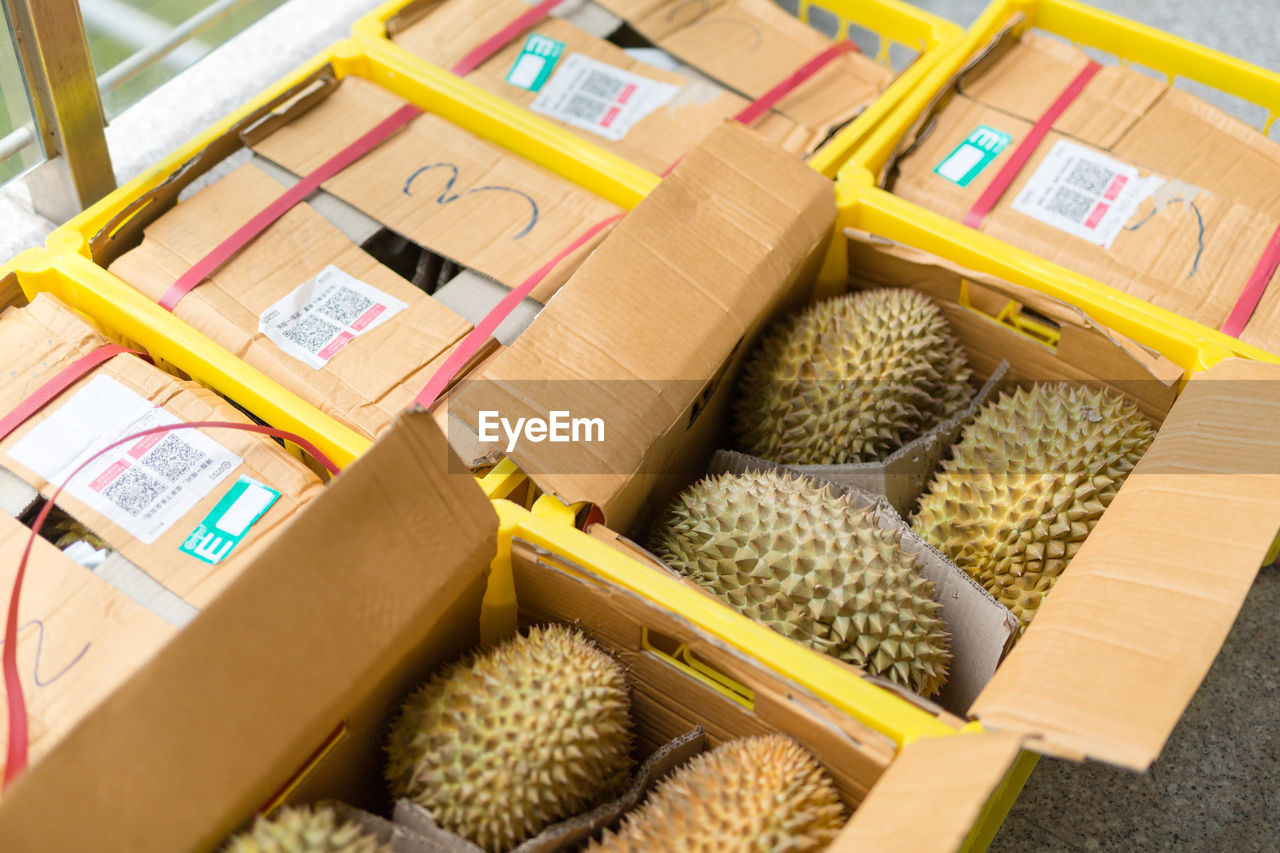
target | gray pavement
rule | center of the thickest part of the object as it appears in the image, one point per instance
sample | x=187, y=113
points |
x=1217, y=784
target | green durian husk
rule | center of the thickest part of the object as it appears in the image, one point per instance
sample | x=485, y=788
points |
x=305, y=830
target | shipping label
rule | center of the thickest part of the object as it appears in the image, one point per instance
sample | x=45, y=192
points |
x=599, y=97
x=973, y=155
x=143, y=486
x=535, y=63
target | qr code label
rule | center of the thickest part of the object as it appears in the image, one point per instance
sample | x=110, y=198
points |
x=599, y=97
x=1084, y=192
x=324, y=314
x=144, y=486
x=174, y=458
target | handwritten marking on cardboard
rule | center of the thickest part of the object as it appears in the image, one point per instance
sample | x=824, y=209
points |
x=144, y=487
x=1084, y=193
x=599, y=97
x=35, y=669
x=446, y=198
x=315, y=320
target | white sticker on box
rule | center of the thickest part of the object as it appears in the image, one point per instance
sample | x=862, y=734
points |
x=143, y=486
x=324, y=314
x=1084, y=193
x=599, y=97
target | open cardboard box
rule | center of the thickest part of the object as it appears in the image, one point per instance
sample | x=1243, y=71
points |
x=678, y=301
x=699, y=64
x=397, y=569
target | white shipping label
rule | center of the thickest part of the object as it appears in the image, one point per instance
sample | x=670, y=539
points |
x=324, y=314
x=598, y=97
x=1084, y=193
x=145, y=485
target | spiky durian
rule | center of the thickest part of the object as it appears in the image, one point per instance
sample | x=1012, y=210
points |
x=1027, y=482
x=505, y=743
x=305, y=830
x=811, y=566
x=850, y=379
x=758, y=793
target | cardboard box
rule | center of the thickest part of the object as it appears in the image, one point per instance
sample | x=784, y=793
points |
x=151, y=503
x=711, y=81
x=446, y=190
x=366, y=625
x=1139, y=185
x=1082, y=680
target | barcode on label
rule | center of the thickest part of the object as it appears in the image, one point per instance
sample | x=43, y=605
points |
x=602, y=85
x=587, y=109
x=345, y=306
x=311, y=333
x=1090, y=177
x=599, y=97
x=134, y=490
x=1071, y=204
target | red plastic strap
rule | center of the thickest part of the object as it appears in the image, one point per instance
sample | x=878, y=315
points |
x=223, y=252
x=496, y=42
x=16, y=756
x=63, y=380
x=1256, y=286
x=1000, y=183
x=766, y=102
x=476, y=337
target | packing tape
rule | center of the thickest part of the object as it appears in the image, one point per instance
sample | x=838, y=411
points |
x=1000, y=183
x=769, y=99
x=64, y=379
x=482, y=52
x=1254, y=288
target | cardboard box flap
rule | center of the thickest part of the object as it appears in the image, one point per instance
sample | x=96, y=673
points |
x=1124, y=639
x=650, y=320
x=270, y=688
x=931, y=795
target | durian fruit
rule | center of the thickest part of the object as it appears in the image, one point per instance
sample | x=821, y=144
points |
x=850, y=379
x=64, y=531
x=510, y=741
x=1026, y=484
x=305, y=830
x=760, y=793
x=812, y=567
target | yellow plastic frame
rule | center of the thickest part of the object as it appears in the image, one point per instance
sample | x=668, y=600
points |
x=893, y=21
x=864, y=206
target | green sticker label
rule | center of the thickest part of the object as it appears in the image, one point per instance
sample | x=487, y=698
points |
x=227, y=523
x=533, y=66
x=972, y=156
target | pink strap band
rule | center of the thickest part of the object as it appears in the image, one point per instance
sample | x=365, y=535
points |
x=224, y=251
x=471, y=344
x=766, y=102
x=496, y=42
x=60, y=382
x=1000, y=183
x=1256, y=286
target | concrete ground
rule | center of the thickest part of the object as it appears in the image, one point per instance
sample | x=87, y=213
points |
x=1217, y=784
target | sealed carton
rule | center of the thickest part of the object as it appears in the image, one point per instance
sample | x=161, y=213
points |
x=648, y=80
x=685, y=302
x=311, y=302
x=188, y=508
x=1137, y=184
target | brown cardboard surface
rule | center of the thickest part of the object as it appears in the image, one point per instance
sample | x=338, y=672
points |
x=46, y=337
x=78, y=639
x=442, y=187
x=229, y=709
x=931, y=796
x=368, y=381
x=981, y=628
x=662, y=308
x=1119, y=647
x=752, y=45
x=451, y=29
x=1193, y=260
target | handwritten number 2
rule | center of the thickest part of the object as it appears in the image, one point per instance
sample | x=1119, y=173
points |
x=35, y=671
x=447, y=196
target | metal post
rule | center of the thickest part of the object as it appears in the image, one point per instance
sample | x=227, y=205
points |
x=68, y=111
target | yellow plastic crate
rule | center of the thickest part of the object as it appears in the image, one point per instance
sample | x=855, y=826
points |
x=863, y=206
x=892, y=21
x=886, y=712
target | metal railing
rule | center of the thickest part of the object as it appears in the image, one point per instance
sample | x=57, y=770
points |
x=67, y=115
